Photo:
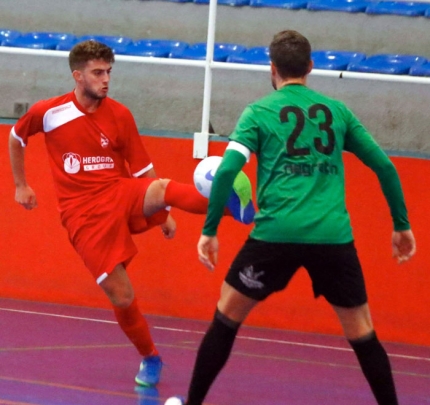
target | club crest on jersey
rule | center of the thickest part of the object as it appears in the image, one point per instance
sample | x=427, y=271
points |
x=249, y=277
x=72, y=162
x=104, y=141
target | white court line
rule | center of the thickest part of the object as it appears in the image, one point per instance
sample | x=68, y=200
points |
x=285, y=342
x=57, y=315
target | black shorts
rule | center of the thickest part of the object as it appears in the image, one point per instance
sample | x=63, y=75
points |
x=262, y=268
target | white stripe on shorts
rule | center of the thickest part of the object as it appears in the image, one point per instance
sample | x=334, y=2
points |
x=101, y=278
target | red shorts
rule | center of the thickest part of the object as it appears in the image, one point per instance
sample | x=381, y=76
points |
x=101, y=229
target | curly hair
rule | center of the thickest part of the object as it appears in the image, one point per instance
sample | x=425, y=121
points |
x=85, y=51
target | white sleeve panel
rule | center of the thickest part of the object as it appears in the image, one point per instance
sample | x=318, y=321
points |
x=17, y=137
x=240, y=148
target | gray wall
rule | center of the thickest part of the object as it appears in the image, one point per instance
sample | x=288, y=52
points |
x=170, y=98
x=245, y=25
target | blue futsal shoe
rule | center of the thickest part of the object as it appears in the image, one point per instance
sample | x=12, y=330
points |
x=149, y=371
x=175, y=401
x=240, y=201
x=147, y=395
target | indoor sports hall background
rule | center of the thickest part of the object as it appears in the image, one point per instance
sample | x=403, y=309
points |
x=59, y=342
x=38, y=262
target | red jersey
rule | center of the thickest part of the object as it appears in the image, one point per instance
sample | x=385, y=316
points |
x=88, y=152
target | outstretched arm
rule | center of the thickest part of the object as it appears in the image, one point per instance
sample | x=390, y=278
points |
x=229, y=168
x=24, y=194
x=207, y=247
x=361, y=143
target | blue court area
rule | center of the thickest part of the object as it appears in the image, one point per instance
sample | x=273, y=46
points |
x=55, y=354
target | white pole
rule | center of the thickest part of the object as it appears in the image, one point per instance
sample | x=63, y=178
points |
x=201, y=139
x=338, y=74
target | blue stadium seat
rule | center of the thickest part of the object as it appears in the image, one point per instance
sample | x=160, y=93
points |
x=420, y=70
x=427, y=13
x=347, y=6
x=234, y=3
x=288, y=4
x=8, y=34
x=66, y=44
x=198, y=51
x=178, y=1
x=335, y=60
x=37, y=40
x=232, y=49
x=117, y=43
x=387, y=64
x=160, y=48
x=257, y=56
x=409, y=9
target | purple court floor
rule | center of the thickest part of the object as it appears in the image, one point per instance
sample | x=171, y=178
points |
x=56, y=354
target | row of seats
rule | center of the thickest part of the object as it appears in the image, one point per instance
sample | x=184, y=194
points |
x=395, y=64
x=404, y=8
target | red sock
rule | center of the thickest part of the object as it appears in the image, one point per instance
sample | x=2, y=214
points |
x=136, y=328
x=187, y=198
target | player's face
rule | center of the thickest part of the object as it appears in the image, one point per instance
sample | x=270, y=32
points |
x=95, y=79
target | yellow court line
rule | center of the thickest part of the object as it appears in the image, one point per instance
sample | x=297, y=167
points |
x=36, y=348
x=69, y=387
x=176, y=346
x=6, y=402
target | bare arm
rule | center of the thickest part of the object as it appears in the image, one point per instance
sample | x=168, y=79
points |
x=24, y=194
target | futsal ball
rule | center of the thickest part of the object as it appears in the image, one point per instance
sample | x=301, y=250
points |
x=174, y=401
x=204, y=174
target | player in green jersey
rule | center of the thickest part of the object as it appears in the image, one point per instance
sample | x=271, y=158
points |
x=298, y=136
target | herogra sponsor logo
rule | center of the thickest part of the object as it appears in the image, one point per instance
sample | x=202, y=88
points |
x=72, y=163
x=97, y=163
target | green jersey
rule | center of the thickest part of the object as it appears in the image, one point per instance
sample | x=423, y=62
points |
x=298, y=136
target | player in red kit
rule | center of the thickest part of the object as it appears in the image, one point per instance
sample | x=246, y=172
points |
x=106, y=185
